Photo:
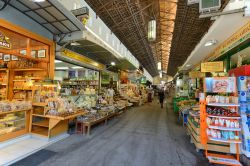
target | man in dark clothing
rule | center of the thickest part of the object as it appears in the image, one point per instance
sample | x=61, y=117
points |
x=161, y=97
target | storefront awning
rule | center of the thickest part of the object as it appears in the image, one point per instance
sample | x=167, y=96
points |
x=50, y=14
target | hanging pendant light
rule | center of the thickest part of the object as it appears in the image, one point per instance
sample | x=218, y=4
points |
x=159, y=65
x=152, y=30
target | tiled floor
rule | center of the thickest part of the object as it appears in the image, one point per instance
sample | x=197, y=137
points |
x=23, y=148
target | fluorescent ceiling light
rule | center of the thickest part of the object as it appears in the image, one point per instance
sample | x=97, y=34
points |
x=75, y=44
x=113, y=63
x=210, y=43
x=38, y=0
x=76, y=67
x=62, y=68
x=58, y=61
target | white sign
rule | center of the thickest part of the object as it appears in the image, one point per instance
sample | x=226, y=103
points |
x=191, y=2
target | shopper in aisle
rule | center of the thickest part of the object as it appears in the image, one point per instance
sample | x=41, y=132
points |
x=110, y=95
x=161, y=96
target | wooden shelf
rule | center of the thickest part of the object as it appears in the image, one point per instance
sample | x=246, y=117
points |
x=40, y=104
x=25, y=79
x=22, y=89
x=44, y=123
x=224, y=128
x=39, y=115
x=226, y=141
x=66, y=117
x=40, y=131
x=29, y=69
x=224, y=117
x=223, y=160
x=24, y=56
x=8, y=112
x=3, y=69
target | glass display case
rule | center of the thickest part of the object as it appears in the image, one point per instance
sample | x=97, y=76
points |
x=12, y=122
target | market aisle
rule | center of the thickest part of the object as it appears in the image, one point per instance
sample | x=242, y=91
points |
x=144, y=136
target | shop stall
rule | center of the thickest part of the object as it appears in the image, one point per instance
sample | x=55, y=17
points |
x=220, y=119
x=25, y=58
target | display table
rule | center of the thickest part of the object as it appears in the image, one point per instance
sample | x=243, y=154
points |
x=50, y=126
x=104, y=119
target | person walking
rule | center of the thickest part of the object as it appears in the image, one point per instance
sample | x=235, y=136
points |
x=161, y=96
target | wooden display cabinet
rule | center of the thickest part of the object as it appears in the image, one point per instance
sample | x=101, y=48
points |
x=14, y=123
x=29, y=59
x=4, y=84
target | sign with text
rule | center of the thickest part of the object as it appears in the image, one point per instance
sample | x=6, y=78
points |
x=196, y=74
x=212, y=67
x=4, y=41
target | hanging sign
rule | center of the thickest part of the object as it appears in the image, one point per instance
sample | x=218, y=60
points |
x=239, y=37
x=81, y=58
x=212, y=67
x=196, y=74
x=4, y=41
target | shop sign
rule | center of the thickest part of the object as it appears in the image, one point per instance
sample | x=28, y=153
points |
x=196, y=74
x=239, y=37
x=212, y=66
x=81, y=58
x=4, y=41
